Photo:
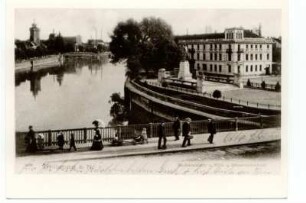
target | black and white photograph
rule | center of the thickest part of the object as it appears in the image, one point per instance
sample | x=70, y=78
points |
x=148, y=92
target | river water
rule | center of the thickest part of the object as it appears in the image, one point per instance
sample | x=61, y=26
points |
x=67, y=97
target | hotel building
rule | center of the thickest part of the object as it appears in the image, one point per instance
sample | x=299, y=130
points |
x=235, y=51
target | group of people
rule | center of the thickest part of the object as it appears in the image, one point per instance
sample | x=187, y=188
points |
x=186, y=132
x=34, y=144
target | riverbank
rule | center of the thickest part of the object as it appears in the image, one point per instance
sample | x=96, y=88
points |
x=36, y=64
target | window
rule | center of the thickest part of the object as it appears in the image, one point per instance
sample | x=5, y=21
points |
x=215, y=68
x=229, y=68
x=210, y=46
x=247, y=57
x=198, y=56
x=260, y=68
x=220, y=68
x=220, y=57
x=251, y=57
x=246, y=68
x=198, y=46
x=246, y=46
x=251, y=46
x=256, y=68
x=203, y=56
x=211, y=56
x=204, y=67
x=260, y=46
x=260, y=56
x=215, y=46
x=238, y=57
x=256, y=46
x=216, y=57
x=268, y=46
x=198, y=66
x=220, y=46
x=211, y=67
x=268, y=56
x=251, y=68
x=255, y=56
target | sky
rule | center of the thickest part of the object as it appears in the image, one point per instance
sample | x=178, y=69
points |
x=100, y=23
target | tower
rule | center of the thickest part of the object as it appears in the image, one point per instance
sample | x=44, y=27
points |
x=34, y=34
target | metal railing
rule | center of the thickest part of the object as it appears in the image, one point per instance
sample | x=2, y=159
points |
x=209, y=95
x=85, y=136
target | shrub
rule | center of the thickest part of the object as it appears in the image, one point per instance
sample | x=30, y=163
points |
x=249, y=83
x=164, y=84
x=277, y=87
x=263, y=85
x=217, y=94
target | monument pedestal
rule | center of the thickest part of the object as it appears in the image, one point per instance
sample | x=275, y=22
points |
x=184, y=72
x=238, y=81
x=161, y=74
x=200, y=83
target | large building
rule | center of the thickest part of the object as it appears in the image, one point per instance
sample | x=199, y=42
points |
x=236, y=50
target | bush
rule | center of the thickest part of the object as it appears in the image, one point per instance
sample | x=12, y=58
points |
x=263, y=85
x=217, y=94
x=164, y=84
x=249, y=83
x=277, y=87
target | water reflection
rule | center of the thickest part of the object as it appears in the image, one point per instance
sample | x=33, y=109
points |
x=71, y=66
x=70, y=96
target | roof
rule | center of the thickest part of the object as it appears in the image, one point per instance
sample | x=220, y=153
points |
x=247, y=34
x=202, y=36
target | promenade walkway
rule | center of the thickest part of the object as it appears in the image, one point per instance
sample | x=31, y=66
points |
x=199, y=142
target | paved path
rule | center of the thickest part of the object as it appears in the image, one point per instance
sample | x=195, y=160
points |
x=199, y=141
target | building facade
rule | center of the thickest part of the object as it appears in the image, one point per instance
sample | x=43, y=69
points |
x=34, y=34
x=235, y=51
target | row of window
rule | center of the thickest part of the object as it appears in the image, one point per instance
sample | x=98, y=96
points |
x=216, y=68
x=251, y=68
x=255, y=57
x=219, y=46
x=214, y=57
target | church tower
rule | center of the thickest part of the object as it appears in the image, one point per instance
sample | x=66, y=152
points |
x=34, y=34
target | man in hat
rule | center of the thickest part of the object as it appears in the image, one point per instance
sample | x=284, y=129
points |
x=211, y=128
x=162, y=136
x=176, y=128
x=30, y=140
x=186, y=132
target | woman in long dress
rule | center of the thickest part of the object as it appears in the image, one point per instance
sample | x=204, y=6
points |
x=97, y=143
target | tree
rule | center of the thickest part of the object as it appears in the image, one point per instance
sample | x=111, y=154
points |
x=277, y=87
x=263, y=85
x=217, y=94
x=147, y=45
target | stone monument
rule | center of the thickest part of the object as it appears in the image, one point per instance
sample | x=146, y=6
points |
x=161, y=74
x=184, y=71
x=238, y=79
x=200, y=82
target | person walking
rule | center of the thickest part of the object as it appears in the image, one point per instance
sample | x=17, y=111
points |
x=186, y=132
x=72, y=142
x=176, y=128
x=162, y=136
x=30, y=140
x=60, y=140
x=212, y=130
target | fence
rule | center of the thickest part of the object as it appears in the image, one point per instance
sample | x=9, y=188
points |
x=85, y=136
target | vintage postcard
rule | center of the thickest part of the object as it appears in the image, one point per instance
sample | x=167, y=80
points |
x=146, y=100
